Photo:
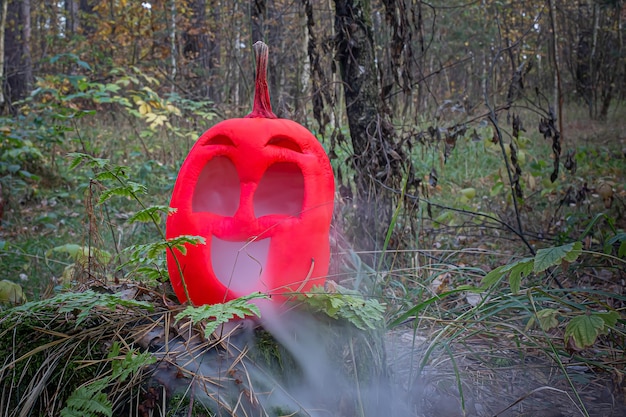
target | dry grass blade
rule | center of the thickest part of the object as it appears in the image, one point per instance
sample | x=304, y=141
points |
x=536, y=390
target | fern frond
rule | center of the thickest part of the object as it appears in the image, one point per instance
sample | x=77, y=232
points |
x=93, y=162
x=221, y=313
x=350, y=305
x=84, y=303
x=149, y=214
x=130, y=190
x=89, y=401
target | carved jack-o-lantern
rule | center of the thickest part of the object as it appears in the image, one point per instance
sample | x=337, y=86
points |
x=260, y=190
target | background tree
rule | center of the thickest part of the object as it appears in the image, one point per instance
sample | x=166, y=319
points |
x=3, y=23
x=18, y=61
x=378, y=161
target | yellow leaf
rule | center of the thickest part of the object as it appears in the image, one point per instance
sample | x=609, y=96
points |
x=145, y=109
x=532, y=183
x=468, y=193
x=173, y=109
x=158, y=121
x=11, y=293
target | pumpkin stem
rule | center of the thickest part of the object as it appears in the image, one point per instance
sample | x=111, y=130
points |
x=262, y=106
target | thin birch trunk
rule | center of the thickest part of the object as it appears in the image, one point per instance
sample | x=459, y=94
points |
x=26, y=55
x=173, y=42
x=592, y=61
x=3, y=23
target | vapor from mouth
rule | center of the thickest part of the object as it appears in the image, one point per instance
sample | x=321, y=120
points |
x=240, y=265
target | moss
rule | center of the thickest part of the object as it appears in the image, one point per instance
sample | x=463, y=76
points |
x=270, y=354
x=278, y=411
x=178, y=406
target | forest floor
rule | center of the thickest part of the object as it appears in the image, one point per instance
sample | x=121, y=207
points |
x=487, y=380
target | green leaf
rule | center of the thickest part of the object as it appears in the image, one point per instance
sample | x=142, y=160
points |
x=132, y=362
x=496, y=189
x=88, y=401
x=80, y=254
x=221, y=313
x=91, y=399
x=493, y=277
x=80, y=304
x=518, y=271
x=610, y=319
x=417, y=309
x=547, y=318
x=149, y=214
x=129, y=190
x=106, y=176
x=78, y=158
x=549, y=257
x=584, y=330
x=11, y=293
x=619, y=237
x=151, y=273
x=179, y=242
x=150, y=252
x=350, y=305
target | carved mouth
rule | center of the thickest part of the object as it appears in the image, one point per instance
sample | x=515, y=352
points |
x=240, y=265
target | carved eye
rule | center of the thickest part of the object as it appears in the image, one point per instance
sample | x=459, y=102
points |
x=280, y=191
x=218, y=188
x=284, y=142
x=220, y=140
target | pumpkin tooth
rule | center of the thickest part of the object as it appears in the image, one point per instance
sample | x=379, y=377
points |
x=239, y=266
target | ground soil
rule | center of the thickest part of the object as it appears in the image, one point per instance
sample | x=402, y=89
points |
x=522, y=385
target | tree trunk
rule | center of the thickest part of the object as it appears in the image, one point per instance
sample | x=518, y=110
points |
x=26, y=57
x=592, y=60
x=87, y=17
x=377, y=160
x=200, y=50
x=276, y=70
x=258, y=11
x=558, y=98
x=173, y=49
x=71, y=17
x=19, y=71
x=3, y=23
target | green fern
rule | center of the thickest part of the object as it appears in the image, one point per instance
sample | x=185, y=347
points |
x=80, y=304
x=129, y=190
x=148, y=260
x=79, y=158
x=217, y=314
x=150, y=214
x=351, y=305
x=130, y=364
x=89, y=401
x=140, y=254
